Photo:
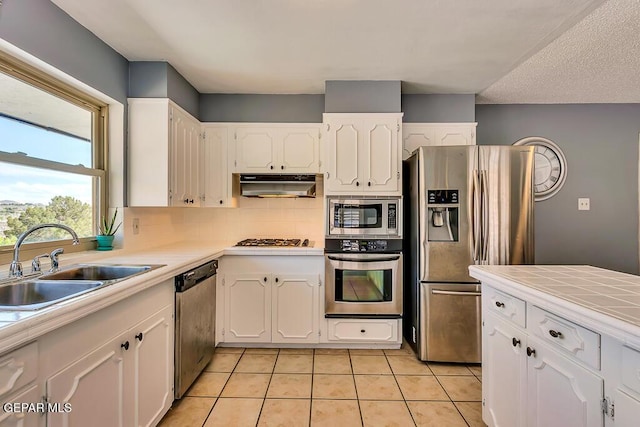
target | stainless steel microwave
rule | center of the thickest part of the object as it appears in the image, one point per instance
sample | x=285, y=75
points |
x=364, y=216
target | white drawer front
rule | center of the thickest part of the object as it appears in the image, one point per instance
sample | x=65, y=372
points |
x=18, y=368
x=383, y=330
x=582, y=343
x=631, y=368
x=507, y=306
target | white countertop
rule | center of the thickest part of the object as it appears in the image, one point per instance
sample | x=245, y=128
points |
x=19, y=327
x=603, y=299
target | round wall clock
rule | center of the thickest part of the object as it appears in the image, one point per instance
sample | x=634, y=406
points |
x=550, y=166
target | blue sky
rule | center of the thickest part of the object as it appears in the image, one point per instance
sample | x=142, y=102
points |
x=31, y=185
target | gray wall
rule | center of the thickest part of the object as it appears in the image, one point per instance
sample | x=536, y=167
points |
x=158, y=79
x=45, y=31
x=600, y=142
x=261, y=108
x=357, y=96
x=438, y=108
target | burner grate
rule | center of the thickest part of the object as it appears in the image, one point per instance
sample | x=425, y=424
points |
x=269, y=242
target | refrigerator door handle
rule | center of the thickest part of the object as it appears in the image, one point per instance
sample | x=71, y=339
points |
x=476, y=234
x=485, y=214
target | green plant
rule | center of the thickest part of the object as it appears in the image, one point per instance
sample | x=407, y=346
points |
x=108, y=227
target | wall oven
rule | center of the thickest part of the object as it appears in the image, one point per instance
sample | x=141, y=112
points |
x=363, y=278
x=366, y=217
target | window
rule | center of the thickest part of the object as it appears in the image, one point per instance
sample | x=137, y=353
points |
x=52, y=159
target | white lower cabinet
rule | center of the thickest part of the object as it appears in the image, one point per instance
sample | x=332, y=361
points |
x=115, y=366
x=22, y=418
x=276, y=303
x=529, y=382
x=363, y=330
x=125, y=382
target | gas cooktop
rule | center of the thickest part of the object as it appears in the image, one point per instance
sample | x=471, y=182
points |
x=273, y=242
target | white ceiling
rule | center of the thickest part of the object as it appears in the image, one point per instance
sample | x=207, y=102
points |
x=524, y=51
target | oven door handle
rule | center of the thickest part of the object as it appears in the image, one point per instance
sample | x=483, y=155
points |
x=382, y=259
x=460, y=293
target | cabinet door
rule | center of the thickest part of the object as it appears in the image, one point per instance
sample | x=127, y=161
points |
x=456, y=134
x=627, y=410
x=299, y=150
x=94, y=386
x=185, y=143
x=247, y=308
x=561, y=392
x=414, y=136
x=343, y=155
x=216, y=190
x=23, y=419
x=152, y=342
x=295, y=308
x=255, y=149
x=380, y=150
x=504, y=373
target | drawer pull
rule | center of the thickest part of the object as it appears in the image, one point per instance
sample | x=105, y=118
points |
x=530, y=352
x=139, y=336
x=499, y=304
x=125, y=345
x=515, y=342
x=555, y=334
x=362, y=331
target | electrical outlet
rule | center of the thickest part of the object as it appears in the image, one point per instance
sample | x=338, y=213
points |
x=584, y=204
x=136, y=225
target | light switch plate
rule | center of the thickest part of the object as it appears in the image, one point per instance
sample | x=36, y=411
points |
x=584, y=204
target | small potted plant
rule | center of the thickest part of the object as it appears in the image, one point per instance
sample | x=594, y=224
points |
x=107, y=229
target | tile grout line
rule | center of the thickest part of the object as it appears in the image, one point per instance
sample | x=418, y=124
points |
x=406, y=404
x=222, y=389
x=264, y=399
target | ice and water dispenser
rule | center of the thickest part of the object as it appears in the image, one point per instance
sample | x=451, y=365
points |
x=442, y=215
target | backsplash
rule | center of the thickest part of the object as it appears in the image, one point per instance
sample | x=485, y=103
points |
x=253, y=218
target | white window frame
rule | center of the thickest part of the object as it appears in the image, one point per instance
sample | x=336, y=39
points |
x=34, y=76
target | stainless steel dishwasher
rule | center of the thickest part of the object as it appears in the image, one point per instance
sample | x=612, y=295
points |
x=195, y=321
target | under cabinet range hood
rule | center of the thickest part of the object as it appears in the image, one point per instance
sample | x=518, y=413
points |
x=278, y=185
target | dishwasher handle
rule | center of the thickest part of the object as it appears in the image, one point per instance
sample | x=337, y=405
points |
x=191, y=278
x=459, y=293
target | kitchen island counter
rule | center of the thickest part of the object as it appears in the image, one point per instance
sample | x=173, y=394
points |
x=601, y=299
x=560, y=345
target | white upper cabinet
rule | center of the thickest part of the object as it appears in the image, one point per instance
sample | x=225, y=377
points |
x=216, y=185
x=276, y=148
x=415, y=135
x=363, y=154
x=164, y=150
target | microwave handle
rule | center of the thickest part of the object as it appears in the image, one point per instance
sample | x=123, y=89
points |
x=383, y=259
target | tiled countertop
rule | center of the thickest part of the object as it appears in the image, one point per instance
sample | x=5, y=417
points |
x=19, y=327
x=602, y=299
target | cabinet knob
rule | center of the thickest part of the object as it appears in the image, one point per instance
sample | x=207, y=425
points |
x=555, y=334
x=276, y=280
x=265, y=279
x=186, y=200
x=271, y=167
x=357, y=184
x=362, y=331
x=221, y=202
x=369, y=183
x=499, y=304
x=530, y=352
x=125, y=345
x=515, y=342
x=139, y=337
x=282, y=167
x=191, y=201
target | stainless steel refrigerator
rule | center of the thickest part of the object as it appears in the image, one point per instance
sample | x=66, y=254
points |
x=465, y=205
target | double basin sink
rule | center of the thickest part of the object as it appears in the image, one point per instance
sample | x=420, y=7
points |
x=48, y=289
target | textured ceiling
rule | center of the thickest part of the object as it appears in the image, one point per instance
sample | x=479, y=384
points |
x=524, y=51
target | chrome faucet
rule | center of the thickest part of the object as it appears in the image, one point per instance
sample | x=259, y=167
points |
x=15, y=269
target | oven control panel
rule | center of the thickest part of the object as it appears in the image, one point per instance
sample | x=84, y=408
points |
x=363, y=245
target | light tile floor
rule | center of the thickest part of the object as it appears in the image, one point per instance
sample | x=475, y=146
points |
x=329, y=387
